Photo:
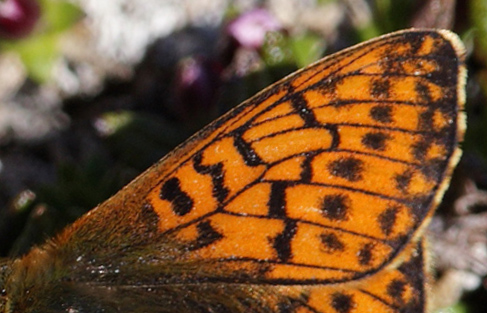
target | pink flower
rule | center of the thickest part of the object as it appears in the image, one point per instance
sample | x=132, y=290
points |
x=250, y=28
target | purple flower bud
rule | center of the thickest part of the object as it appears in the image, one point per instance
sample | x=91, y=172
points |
x=18, y=18
x=197, y=82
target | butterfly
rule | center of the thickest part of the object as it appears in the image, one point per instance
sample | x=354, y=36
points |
x=312, y=196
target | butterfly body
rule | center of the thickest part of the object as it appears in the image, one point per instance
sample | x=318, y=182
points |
x=311, y=196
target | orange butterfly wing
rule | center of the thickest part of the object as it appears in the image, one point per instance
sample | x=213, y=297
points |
x=327, y=175
x=309, y=197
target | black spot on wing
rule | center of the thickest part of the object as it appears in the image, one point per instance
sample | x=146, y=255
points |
x=336, y=207
x=381, y=114
x=375, y=141
x=349, y=168
x=403, y=180
x=171, y=191
x=387, y=220
x=380, y=88
x=342, y=303
x=207, y=235
x=331, y=243
x=365, y=254
x=396, y=289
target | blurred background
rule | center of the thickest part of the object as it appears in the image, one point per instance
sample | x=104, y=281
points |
x=94, y=92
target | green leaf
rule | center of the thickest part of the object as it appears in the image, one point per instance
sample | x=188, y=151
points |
x=38, y=53
x=478, y=12
x=59, y=15
x=307, y=48
x=457, y=308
